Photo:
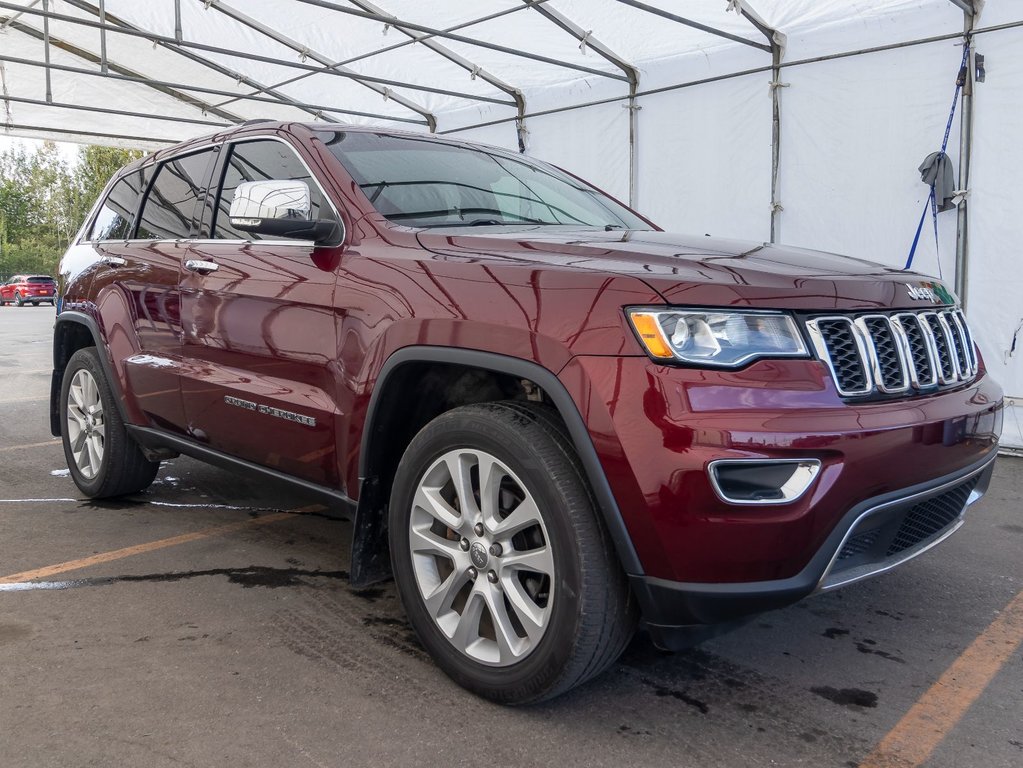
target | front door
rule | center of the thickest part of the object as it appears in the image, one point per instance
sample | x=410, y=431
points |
x=260, y=332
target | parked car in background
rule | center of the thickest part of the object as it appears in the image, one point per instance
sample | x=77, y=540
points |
x=29, y=289
x=547, y=417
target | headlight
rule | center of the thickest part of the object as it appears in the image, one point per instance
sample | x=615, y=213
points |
x=713, y=338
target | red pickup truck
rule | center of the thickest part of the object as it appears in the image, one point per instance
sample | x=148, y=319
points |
x=548, y=418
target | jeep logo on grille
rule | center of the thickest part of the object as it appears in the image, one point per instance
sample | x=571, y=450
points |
x=934, y=292
x=921, y=292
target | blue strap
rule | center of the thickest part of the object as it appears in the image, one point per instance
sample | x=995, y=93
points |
x=919, y=229
x=931, y=202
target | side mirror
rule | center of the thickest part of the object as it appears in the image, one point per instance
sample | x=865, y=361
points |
x=280, y=209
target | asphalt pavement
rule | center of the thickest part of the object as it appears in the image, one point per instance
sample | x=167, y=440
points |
x=208, y=622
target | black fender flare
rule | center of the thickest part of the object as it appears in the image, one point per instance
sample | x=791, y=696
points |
x=367, y=531
x=57, y=377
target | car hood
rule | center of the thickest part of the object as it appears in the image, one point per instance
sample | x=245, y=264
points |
x=700, y=271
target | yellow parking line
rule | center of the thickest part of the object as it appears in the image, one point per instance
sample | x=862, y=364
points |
x=152, y=546
x=915, y=737
x=55, y=441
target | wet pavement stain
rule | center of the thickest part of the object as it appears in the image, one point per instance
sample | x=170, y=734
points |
x=111, y=504
x=674, y=693
x=897, y=615
x=867, y=646
x=1012, y=528
x=847, y=697
x=832, y=632
x=627, y=731
x=249, y=576
x=369, y=594
x=404, y=639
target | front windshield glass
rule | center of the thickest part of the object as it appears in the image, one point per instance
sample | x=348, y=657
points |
x=420, y=182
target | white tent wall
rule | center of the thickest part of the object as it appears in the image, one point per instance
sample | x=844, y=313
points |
x=704, y=158
x=575, y=139
x=995, y=278
x=854, y=131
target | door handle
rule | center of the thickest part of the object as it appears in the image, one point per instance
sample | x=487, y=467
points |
x=201, y=267
x=113, y=261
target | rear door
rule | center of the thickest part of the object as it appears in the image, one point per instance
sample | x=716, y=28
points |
x=260, y=333
x=136, y=282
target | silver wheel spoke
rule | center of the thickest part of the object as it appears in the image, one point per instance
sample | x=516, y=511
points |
x=430, y=501
x=490, y=489
x=438, y=603
x=425, y=541
x=95, y=452
x=536, y=560
x=524, y=516
x=76, y=413
x=460, y=466
x=508, y=642
x=530, y=615
x=467, y=631
x=76, y=394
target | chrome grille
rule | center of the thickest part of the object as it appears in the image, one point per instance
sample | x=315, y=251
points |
x=887, y=354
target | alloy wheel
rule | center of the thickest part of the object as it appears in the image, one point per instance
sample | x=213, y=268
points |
x=86, y=426
x=481, y=556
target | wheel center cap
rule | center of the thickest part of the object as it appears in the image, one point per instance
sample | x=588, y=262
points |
x=478, y=554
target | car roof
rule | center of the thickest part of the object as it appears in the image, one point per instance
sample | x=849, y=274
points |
x=267, y=127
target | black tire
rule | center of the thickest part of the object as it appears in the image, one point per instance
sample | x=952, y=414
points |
x=593, y=615
x=35, y=303
x=18, y=300
x=123, y=468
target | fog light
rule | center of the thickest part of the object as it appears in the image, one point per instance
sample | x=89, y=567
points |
x=762, y=481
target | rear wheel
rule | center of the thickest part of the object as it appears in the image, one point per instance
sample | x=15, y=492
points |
x=504, y=569
x=35, y=303
x=103, y=459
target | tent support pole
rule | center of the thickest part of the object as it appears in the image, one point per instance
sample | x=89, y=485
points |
x=633, y=108
x=177, y=20
x=965, y=152
x=46, y=50
x=103, y=36
x=776, y=207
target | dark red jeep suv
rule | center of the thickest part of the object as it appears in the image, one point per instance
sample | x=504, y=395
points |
x=549, y=418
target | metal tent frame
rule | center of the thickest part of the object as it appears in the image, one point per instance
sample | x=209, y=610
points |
x=429, y=37
x=308, y=62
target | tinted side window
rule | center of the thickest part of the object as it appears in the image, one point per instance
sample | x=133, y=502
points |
x=113, y=222
x=170, y=206
x=261, y=161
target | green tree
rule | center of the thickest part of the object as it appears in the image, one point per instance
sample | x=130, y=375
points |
x=44, y=201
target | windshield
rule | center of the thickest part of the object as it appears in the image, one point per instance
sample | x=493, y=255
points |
x=420, y=182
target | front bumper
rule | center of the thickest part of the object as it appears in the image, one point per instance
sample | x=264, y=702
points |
x=873, y=537
x=658, y=429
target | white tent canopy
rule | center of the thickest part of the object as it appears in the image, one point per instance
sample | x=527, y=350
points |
x=798, y=121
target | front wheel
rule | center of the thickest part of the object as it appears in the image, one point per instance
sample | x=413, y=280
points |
x=502, y=564
x=103, y=459
x=19, y=300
